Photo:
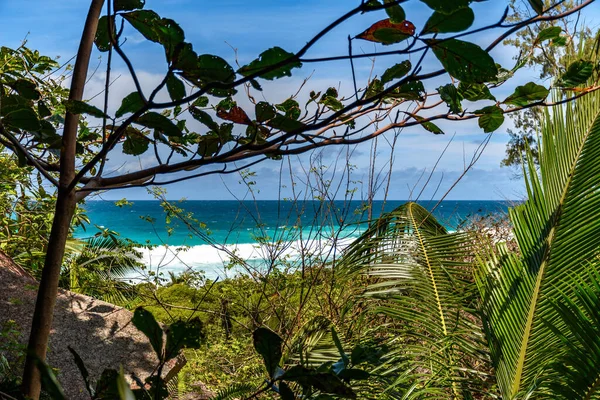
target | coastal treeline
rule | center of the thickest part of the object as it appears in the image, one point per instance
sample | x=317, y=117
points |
x=408, y=310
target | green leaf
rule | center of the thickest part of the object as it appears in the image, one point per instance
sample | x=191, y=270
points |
x=145, y=322
x=465, y=61
x=577, y=74
x=201, y=101
x=395, y=72
x=184, y=57
x=205, y=118
x=445, y=6
x=427, y=125
x=268, y=344
x=125, y=392
x=81, y=107
x=475, y=91
x=285, y=124
x=175, y=87
x=43, y=110
x=102, y=38
x=23, y=118
x=526, y=94
x=451, y=97
x=25, y=88
x=290, y=107
x=537, y=5
x=395, y=12
x=159, y=122
x=491, y=117
x=135, y=142
x=264, y=111
x=208, y=145
x=331, y=102
x=156, y=29
x=387, y=32
x=413, y=90
x=340, y=348
x=131, y=103
x=214, y=69
x=184, y=334
x=127, y=5
x=267, y=59
x=549, y=33
x=458, y=21
x=49, y=382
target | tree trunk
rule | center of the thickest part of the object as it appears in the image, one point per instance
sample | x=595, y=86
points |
x=65, y=207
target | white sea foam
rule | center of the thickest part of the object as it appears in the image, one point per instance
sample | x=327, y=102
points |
x=213, y=260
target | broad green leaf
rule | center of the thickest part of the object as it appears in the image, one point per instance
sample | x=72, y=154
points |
x=102, y=38
x=331, y=102
x=175, y=87
x=159, y=122
x=201, y=101
x=290, y=107
x=395, y=12
x=205, y=118
x=285, y=124
x=43, y=110
x=127, y=5
x=427, y=125
x=397, y=71
x=131, y=103
x=156, y=29
x=451, y=97
x=386, y=32
x=475, y=91
x=267, y=59
x=25, y=88
x=526, y=94
x=81, y=107
x=577, y=74
x=184, y=57
x=465, y=61
x=413, y=90
x=268, y=344
x=23, y=118
x=549, y=33
x=264, y=111
x=559, y=41
x=490, y=118
x=537, y=5
x=458, y=21
x=184, y=334
x=135, y=142
x=208, y=145
x=445, y=6
x=145, y=322
x=214, y=69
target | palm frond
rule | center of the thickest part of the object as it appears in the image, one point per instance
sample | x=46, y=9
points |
x=556, y=230
x=235, y=391
x=421, y=284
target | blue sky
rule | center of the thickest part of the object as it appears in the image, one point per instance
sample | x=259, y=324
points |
x=216, y=27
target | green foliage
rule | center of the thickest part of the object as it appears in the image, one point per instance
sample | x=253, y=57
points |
x=267, y=60
x=465, y=61
x=530, y=92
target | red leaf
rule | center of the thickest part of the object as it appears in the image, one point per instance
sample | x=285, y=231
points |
x=236, y=115
x=387, y=32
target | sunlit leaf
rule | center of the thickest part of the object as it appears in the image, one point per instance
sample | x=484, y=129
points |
x=475, y=91
x=427, y=125
x=451, y=97
x=526, y=94
x=577, y=74
x=267, y=59
x=290, y=107
x=81, y=107
x=386, y=32
x=460, y=20
x=549, y=33
x=465, y=61
x=490, y=118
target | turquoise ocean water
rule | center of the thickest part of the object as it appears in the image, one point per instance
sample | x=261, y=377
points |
x=240, y=227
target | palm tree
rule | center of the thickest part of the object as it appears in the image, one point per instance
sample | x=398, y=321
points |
x=557, y=230
x=421, y=284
